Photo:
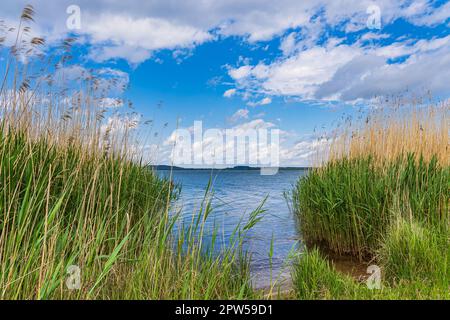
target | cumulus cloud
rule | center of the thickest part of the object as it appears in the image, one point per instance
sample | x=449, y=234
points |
x=238, y=115
x=135, y=29
x=311, y=61
x=422, y=13
x=133, y=55
x=108, y=102
x=337, y=71
x=135, y=38
x=229, y=93
x=366, y=76
x=429, y=71
x=117, y=124
x=288, y=43
x=254, y=125
x=264, y=101
x=292, y=151
x=299, y=75
x=308, y=151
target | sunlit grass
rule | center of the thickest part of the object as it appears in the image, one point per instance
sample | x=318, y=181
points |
x=383, y=196
x=348, y=204
x=314, y=278
x=74, y=191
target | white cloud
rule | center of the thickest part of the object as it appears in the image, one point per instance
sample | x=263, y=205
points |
x=108, y=102
x=374, y=36
x=430, y=71
x=336, y=71
x=135, y=29
x=299, y=75
x=229, y=93
x=107, y=79
x=288, y=43
x=262, y=102
x=135, y=38
x=254, y=125
x=305, y=151
x=228, y=147
x=308, y=151
x=117, y=124
x=238, y=115
x=421, y=13
x=265, y=101
x=133, y=55
x=366, y=76
x=240, y=73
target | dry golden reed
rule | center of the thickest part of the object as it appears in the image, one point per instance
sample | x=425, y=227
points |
x=387, y=133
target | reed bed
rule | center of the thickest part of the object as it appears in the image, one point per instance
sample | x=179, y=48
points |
x=412, y=126
x=73, y=192
x=348, y=203
x=382, y=196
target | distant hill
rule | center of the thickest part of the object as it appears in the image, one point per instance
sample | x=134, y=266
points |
x=241, y=168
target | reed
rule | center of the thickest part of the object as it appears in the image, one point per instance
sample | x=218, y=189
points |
x=399, y=128
x=73, y=191
x=347, y=204
x=382, y=196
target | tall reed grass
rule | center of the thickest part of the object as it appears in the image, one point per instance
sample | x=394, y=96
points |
x=73, y=192
x=383, y=196
x=348, y=203
x=390, y=131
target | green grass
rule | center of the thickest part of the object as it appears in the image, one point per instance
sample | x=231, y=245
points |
x=413, y=253
x=314, y=278
x=71, y=193
x=74, y=192
x=393, y=213
x=348, y=204
x=62, y=206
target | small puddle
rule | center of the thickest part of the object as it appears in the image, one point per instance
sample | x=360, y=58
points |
x=349, y=265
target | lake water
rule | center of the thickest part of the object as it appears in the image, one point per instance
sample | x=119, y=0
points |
x=236, y=194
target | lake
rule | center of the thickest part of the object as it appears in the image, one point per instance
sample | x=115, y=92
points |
x=236, y=193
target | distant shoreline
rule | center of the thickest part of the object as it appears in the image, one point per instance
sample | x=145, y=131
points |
x=237, y=168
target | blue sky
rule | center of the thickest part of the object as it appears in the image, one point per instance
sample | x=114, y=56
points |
x=298, y=66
